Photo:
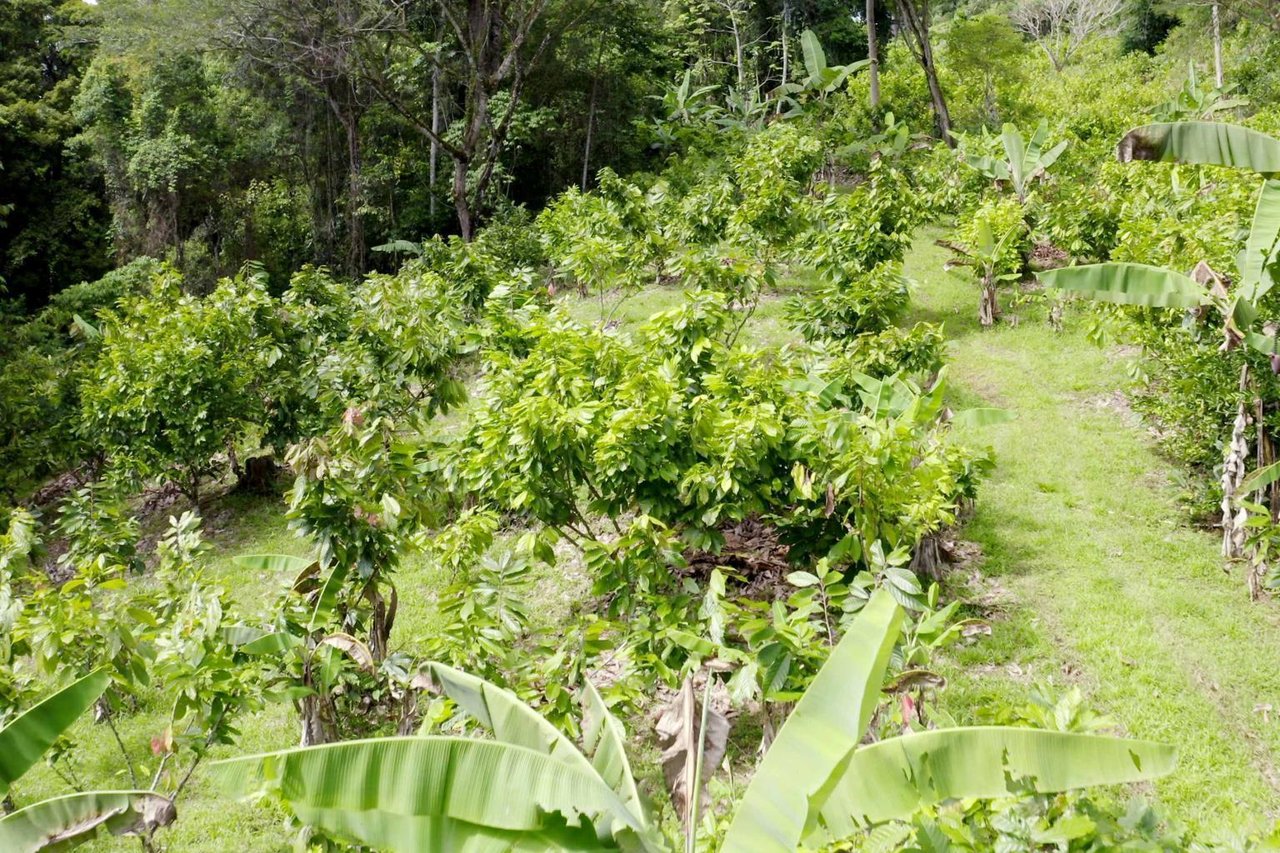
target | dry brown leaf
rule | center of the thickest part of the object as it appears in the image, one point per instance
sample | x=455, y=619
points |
x=678, y=736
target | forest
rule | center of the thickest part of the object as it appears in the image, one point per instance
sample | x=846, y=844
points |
x=655, y=425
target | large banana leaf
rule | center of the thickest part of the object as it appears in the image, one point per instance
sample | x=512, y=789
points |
x=604, y=740
x=893, y=778
x=66, y=822
x=827, y=723
x=273, y=563
x=439, y=793
x=509, y=719
x=1207, y=142
x=24, y=740
x=1260, y=250
x=1129, y=284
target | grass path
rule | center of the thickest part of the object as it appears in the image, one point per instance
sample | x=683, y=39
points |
x=1096, y=578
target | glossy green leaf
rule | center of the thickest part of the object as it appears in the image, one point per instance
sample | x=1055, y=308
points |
x=24, y=740
x=828, y=721
x=438, y=793
x=1128, y=284
x=1203, y=142
x=893, y=778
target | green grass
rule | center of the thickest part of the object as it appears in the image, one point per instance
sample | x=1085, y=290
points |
x=1089, y=575
x=1095, y=577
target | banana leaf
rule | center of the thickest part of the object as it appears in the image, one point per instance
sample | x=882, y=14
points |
x=1129, y=284
x=438, y=793
x=24, y=740
x=502, y=713
x=827, y=723
x=1260, y=250
x=1205, y=142
x=982, y=417
x=604, y=740
x=66, y=822
x=891, y=779
x=273, y=563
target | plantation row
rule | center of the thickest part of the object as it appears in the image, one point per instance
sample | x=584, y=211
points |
x=761, y=526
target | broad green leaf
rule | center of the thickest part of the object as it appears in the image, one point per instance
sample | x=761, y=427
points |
x=438, y=793
x=1260, y=479
x=815, y=58
x=66, y=822
x=891, y=779
x=1260, y=250
x=827, y=723
x=327, y=601
x=273, y=563
x=509, y=719
x=24, y=740
x=1128, y=284
x=982, y=417
x=604, y=740
x=1015, y=150
x=1206, y=142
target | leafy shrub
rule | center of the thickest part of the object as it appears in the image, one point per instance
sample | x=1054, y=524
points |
x=918, y=351
x=174, y=383
x=867, y=304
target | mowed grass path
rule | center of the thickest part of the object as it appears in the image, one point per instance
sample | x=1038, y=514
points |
x=1094, y=575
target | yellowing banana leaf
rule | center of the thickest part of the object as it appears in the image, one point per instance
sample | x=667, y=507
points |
x=1128, y=284
x=1206, y=142
x=439, y=793
x=66, y=822
x=827, y=723
x=24, y=740
x=893, y=778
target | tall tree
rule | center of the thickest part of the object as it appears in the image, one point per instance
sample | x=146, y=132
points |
x=914, y=20
x=491, y=47
x=53, y=219
x=873, y=55
x=1061, y=27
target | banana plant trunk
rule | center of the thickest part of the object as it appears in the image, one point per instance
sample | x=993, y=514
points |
x=988, y=307
x=1233, y=472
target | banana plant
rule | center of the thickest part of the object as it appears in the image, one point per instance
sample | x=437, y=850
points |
x=1209, y=143
x=821, y=79
x=531, y=788
x=65, y=822
x=1024, y=160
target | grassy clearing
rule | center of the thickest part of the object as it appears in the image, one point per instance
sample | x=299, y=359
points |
x=1094, y=577
x=1089, y=574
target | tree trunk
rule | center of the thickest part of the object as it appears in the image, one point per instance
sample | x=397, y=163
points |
x=915, y=26
x=786, y=48
x=1217, y=48
x=873, y=57
x=435, y=131
x=591, y=113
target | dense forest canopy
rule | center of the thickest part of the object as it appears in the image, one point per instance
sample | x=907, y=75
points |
x=639, y=424
x=208, y=134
